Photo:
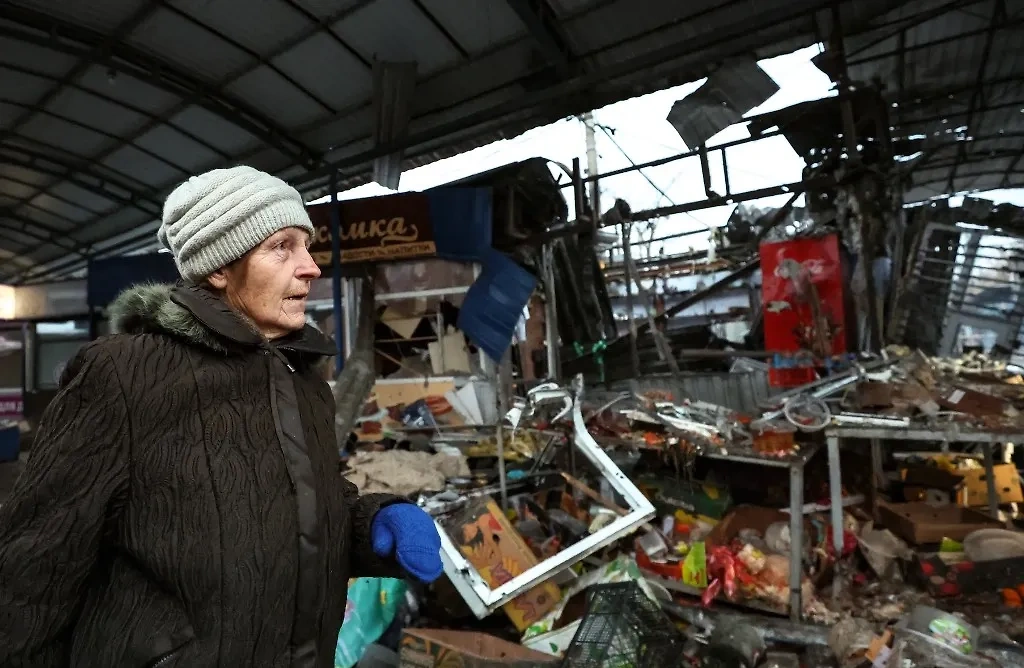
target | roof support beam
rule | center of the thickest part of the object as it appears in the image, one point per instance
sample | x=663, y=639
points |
x=29, y=228
x=902, y=24
x=74, y=177
x=42, y=209
x=896, y=53
x=88, y=128
x=96, y=50
x=999, y=19
x=99, y=181
x=50, y=32
x=542, y=24
x=114, y=101
x=571, y=97
x=1012, y=167
x=64, y=266
x=53, y=153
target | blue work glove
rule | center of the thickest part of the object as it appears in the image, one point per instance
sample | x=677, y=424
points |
x=406, y=532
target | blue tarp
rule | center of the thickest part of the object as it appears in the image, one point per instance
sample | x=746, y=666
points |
x=494, y=303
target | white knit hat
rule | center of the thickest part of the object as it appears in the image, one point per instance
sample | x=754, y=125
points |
x=215, y=218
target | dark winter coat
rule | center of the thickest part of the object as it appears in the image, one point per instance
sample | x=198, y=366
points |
x=182, y=505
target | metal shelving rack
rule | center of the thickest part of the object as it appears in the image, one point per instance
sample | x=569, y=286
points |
x=952, y=434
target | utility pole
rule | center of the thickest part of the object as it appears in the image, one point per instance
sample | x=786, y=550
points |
x=595, y=191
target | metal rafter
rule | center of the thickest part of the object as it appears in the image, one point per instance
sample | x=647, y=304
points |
x=962, y=157
x=906, y=22
x=157, y=120
x=60, y=266
x=252, y=54
x=116, y=102
x=542, y=25
x=579, y=89
x=926, y=97
x=90, y=128
x=83, y=42
x=1012, y=167
x=925, y=120
x=27, y=228
x=448, y=36
x=97, y=50
x=971, y=175
x=68, y=158
x=97, y=178
x=998, y=17
x=73, y=176
x=324, y=26
x=339, y=15
x=1009, y=24
x=65, y=200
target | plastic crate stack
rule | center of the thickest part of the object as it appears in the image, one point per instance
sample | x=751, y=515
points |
x=623, y=628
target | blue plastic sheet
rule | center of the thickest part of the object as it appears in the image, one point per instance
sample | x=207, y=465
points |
x=372, y=605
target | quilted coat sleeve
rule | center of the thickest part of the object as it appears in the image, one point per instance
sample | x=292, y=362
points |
x=366, y=564
x=53, y=521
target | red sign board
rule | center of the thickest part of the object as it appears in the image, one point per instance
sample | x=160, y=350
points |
x=375, y=229
x=802, y=297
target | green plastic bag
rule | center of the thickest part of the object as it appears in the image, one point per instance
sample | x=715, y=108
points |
x=372, y=606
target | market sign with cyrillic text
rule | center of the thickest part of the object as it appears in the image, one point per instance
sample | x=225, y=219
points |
x=375, y=229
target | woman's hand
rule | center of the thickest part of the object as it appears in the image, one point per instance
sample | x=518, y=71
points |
x=408, y=534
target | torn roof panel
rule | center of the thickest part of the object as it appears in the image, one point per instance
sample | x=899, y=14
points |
x=182, y=63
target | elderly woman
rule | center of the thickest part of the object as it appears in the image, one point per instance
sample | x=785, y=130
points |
x=182, y=505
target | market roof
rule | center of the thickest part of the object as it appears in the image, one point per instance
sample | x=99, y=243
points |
x=106, y=106
x=953, y=73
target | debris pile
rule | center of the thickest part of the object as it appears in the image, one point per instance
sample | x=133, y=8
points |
x=724, y=529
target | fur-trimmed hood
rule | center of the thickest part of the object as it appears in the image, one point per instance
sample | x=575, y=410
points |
x=197, y=316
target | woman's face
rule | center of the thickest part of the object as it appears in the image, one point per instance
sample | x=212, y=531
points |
x=270, y=284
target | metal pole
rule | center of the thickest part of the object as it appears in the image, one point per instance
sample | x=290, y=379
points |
x=835, y=480
x=348, y=317
x=504, y=386
x=342, y=346
x=796, y=534
x=550, y=312
x=634, y=353
x=595, y=191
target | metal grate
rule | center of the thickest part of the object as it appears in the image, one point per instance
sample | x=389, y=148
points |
x=622, y=628
x=962, y=280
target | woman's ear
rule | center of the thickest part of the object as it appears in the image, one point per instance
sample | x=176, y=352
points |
x=218, y=280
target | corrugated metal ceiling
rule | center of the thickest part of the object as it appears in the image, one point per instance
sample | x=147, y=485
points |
x=954, y=73
x=106, y=106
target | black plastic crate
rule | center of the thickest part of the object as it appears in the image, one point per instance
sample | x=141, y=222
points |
x=622, y=628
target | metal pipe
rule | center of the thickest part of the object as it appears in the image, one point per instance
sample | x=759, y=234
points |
x=340, y=344
x=504, y=387
x=797, y=188
x=634, y=353
x=356, y=380
x=551, y=314
x=796, y=528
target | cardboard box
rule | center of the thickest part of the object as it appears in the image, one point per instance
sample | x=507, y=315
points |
x=921, y=524
x=968, y=487
x=975, y=490
x=496, y=550
x=427, y=648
